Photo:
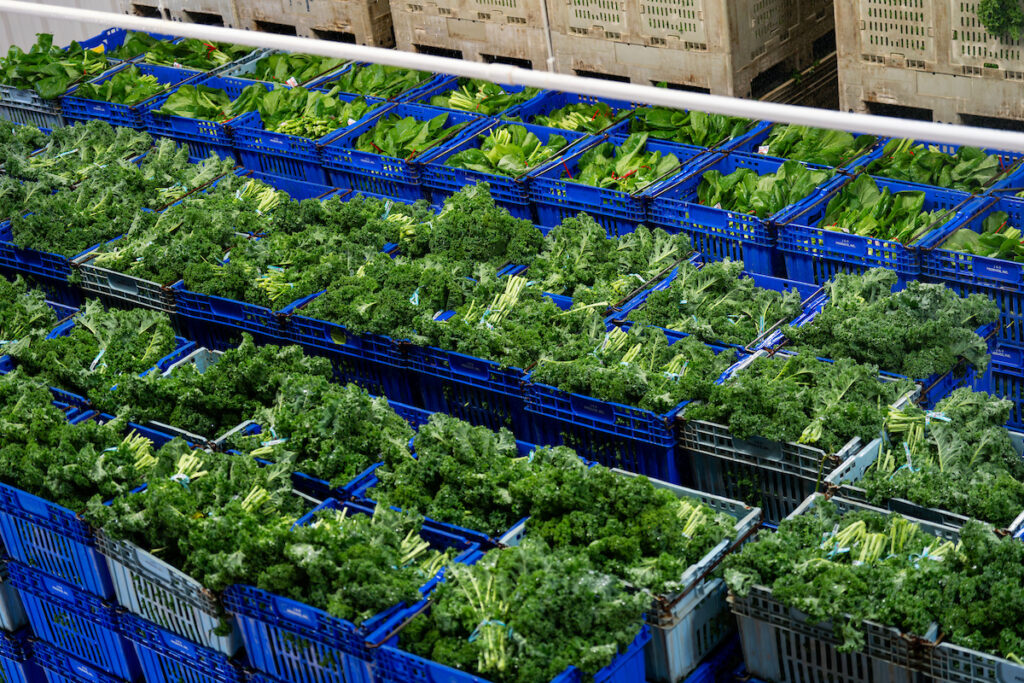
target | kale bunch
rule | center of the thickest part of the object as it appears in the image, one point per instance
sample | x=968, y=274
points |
x=626, y=526
x=331, y=432
x=918, y=332
x=43, y=454
x=638, y=367
x=22, y=311
x=460, y=475
x=715, y=304
x=351, y=565
x=104, y=346
x=581, y=261
x=232, y=390
x=801, y=399
x=959, y=458
x=71, y=153
x=526, y=614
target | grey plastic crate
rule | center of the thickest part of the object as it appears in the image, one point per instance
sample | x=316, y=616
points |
x=843, y=481
x=27, y=107
x=243, y=68
x=149, y=587
x=126, y=289
x=781, y=644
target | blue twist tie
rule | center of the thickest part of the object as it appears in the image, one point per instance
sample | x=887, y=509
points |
x=415, y=298
x=387, y=209
x=476, y=632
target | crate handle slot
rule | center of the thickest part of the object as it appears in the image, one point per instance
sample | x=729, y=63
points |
x=759, y=447
x=470, y=367
x=592, y=409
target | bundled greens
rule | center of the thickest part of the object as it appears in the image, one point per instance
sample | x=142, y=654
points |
x=847, y=568
x=190, y=53
x=22, y=311
x=638, y=368
x=919, y=332
x=329, y=431
x=405, y=137
x=969, y=169
x=101, y=348
x=745, y=191
x=292, y=68
x=628, y=167
x=48, y=69
x=210, y=104
x=71, y=465
x=482, y=97
x=581, y=117
x=802, y=399
x=861, y=208
x=128, y=86
x=997, y=239
x=715, y=304
x=244, y=380
x=815, y=145
x=687, y=127
x=509, y=151
x=307, y=113
x=378, y=80
x=525, y=614
x=958, y=457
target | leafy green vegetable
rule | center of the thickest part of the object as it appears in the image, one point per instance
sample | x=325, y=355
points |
x=509, y=151
x=627, y=168
x=969, y=169
x=638, y=368
x=997, y=239
x=191, y=53
x=958, y=458
x=687, y=127
x=280, y=67
x=816, y=145
x=102, y=346
x=307, y=113
x=802, y=399
x=715, y=304
x=244, y=380
x=525, y=614
x=861, y=208
x=482, y=97
x=210, y=104
x=405, y=137
x=128, y=86
x=584, y=118
x=49, y=69
x=1002, y=18
x=378, y=80
x=22, y=311
x=330, y=432
x=918, y=332
x=745, y=191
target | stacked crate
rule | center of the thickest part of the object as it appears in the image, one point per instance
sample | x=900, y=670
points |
x=929, y=59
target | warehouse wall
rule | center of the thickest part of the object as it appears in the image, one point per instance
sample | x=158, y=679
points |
x=21, y=30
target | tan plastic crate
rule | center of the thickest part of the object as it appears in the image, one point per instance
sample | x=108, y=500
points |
x=367, y=22
x=212, y=12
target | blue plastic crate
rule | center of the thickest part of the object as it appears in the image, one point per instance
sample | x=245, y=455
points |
x=416, y=417
x=613, y=434
x=16, y=663
x=60, y=667
x=288, y=156
x=807, y=293
x=166, y=657
x=718, y=233
x=396, y=666
x=815, y=254
x=373, y=362
x=298, y=189
x=999, y=279
x=443, y=181
x=719, y=665
x=113, y=38
x=754, y=143
x=76, y=622
x=453, y=83
x=50, y=270
x=557, y=198
x=206, y=308
x=130, y=116
x=202, y=137
x=329, y=81
x=1008, y=382
x=550, y=100
x=291, y=641
x=1009, y=162
x=378, y=173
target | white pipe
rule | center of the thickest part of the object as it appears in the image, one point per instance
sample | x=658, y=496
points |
x=501, y=73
